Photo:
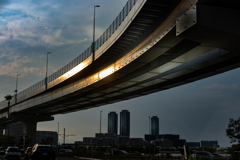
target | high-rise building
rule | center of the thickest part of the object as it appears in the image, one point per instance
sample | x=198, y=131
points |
x=113, y=123
x=155, y=126
x=125, y=123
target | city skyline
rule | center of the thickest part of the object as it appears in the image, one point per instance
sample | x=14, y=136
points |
x=29, y=29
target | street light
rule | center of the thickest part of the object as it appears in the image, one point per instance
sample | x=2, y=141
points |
x=16, y=88
x=58, y=135
x=46, y=70
x=100, y=131
x=94, y=33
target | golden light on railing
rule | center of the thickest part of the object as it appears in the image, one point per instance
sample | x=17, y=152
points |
x=75, y=70
x=95, y=77
x=106, y=72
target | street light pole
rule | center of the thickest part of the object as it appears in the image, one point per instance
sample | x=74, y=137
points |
x=58, y=135
x=149, y=135
x=16, y=88
x=93, y=44
x=100, y=131
x=46, y=70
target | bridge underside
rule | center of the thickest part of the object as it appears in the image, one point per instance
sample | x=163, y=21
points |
x=209, y=47
x=146, y=75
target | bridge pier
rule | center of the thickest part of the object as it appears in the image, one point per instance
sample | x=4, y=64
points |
x=30, y=123
x=30, y=128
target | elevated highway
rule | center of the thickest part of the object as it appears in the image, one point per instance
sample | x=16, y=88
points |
x=152, y=45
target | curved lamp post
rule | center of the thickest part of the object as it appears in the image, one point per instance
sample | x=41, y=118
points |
x=16, y=88
x=94, y=33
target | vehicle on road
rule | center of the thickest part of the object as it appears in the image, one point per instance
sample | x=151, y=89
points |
x=12, y=153
x=42, y=152
x=119, y=152
x=27, y=152
x=204, y=154
x=135, y=154
x=2, y=150
x=216, y=155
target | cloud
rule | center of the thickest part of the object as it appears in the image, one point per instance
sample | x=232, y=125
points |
x=17, y=65
x=38, y=24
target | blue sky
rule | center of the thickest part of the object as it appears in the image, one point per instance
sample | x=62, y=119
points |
x=29, y=29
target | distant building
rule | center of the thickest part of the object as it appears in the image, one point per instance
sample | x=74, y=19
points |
x=49, y=137
x=163, y=142
x=16, y=130
x=149, y=137
x=122, y=140
x=136, y=142
x=155, y=126
x=174, y=138
x=113, y=122
x=108, y=141
x=125, y=123
x=192, y=144
x=104, y=141
x=209, y=144
x=78, y=143
x=88, y=140
x=102, y=135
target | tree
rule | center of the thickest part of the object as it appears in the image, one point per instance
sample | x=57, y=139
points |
x=6, y=140
x=8, y=97
x=233, y=130
x=27, y=141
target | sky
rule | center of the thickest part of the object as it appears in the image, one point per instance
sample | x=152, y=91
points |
x=29, y=29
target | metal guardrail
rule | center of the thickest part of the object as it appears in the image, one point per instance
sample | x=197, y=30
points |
x=80, y=62
x=156, y=36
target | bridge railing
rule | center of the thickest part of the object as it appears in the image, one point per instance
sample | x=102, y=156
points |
x=80, y=62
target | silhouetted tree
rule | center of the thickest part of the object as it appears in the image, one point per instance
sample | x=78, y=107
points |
x=233, y=130
x=43, y=141
x=27, y=141
x=6, y=140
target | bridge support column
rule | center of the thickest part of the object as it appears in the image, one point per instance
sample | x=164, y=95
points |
x=30, y=128
x=30, y=123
